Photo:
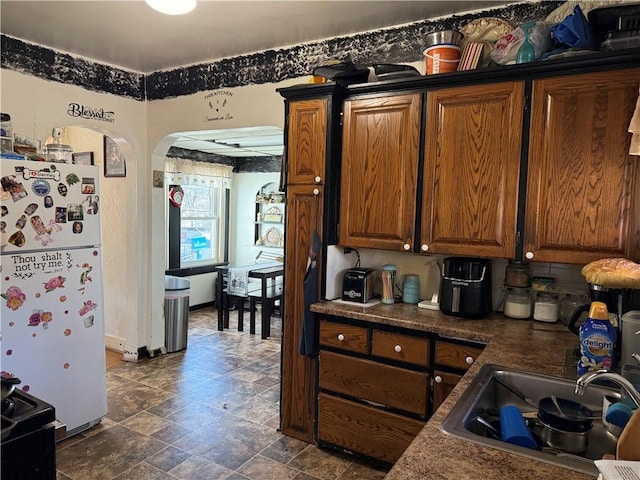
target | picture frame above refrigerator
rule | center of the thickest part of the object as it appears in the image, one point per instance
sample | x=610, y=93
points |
x=114, y=162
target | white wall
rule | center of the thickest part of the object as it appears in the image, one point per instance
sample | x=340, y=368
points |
x=242, y=250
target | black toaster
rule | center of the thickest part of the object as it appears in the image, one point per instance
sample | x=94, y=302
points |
x=465, y=287
x=357, y=284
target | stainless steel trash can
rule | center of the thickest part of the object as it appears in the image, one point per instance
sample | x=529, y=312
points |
x=176, y=312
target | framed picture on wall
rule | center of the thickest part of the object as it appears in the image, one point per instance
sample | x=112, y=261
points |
x=82, y=158
x=114, y=161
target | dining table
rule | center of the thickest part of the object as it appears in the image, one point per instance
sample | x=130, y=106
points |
x=266, y=273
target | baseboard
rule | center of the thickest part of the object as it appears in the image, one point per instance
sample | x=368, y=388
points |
x=115, y=344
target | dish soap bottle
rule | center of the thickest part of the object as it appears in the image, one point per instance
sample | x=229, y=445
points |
x=597, y=340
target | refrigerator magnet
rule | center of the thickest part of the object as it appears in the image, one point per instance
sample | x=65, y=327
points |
x=17, y=239
x=41, y=187
x=61, y=215
x=21, y=222
x=30, y=209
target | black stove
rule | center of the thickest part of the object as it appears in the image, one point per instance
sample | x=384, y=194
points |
x=28, y=438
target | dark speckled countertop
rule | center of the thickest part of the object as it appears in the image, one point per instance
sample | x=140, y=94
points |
x=523, y=344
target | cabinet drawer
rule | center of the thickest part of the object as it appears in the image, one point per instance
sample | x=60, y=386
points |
x=404, y=348
x=345, y=337
x=364, y=429
x=456, y=356
x=374, y=382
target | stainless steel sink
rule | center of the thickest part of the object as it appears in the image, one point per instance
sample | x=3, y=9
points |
x=488, y=393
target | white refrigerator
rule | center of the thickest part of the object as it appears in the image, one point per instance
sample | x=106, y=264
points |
x=52, y=335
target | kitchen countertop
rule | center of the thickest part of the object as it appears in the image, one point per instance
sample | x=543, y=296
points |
x=526, y=345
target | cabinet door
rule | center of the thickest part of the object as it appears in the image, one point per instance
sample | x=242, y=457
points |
x=304, y=214
x=306, y=142
x=472, y=165
x=583, y=190
x=443, y=384
x=379, y=171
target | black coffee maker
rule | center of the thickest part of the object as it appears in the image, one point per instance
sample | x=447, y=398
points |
x=618, y=300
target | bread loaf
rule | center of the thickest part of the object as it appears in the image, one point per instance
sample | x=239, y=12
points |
x=613, y=273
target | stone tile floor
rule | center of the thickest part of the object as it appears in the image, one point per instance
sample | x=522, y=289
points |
x=209, y=412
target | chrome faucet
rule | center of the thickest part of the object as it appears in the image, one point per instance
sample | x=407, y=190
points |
x=593, y=376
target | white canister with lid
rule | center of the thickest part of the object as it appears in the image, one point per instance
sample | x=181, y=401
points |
x=546, y=308
x=517, y=303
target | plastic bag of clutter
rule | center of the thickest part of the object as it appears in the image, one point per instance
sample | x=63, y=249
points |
x=506, y=48
x=574, y=31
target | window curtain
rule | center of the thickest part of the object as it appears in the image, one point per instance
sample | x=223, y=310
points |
x=179, y=171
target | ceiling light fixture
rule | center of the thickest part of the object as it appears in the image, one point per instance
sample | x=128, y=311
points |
x=172, y=7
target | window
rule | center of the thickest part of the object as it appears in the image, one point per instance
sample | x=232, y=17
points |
x=200, y=225
x=197, y=230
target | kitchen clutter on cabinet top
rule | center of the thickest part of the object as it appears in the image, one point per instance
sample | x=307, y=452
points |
x=589, y=27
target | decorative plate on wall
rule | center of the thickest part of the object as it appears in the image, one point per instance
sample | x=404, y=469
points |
x=273, y=238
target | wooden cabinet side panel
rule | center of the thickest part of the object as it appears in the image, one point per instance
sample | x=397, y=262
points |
x=298, y=371
x=582, y=192
x=379, y=171
x=365, y=430
x=472, y=165
x=306, y=141
x=375, y=382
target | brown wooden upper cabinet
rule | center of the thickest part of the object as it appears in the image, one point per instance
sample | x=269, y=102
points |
x=583, y=190
x=472, y=163
x=306, y=142
x=381, y=136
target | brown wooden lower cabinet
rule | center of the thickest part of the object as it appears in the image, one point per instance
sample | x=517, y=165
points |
x=443, y=383
x=363, y=429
